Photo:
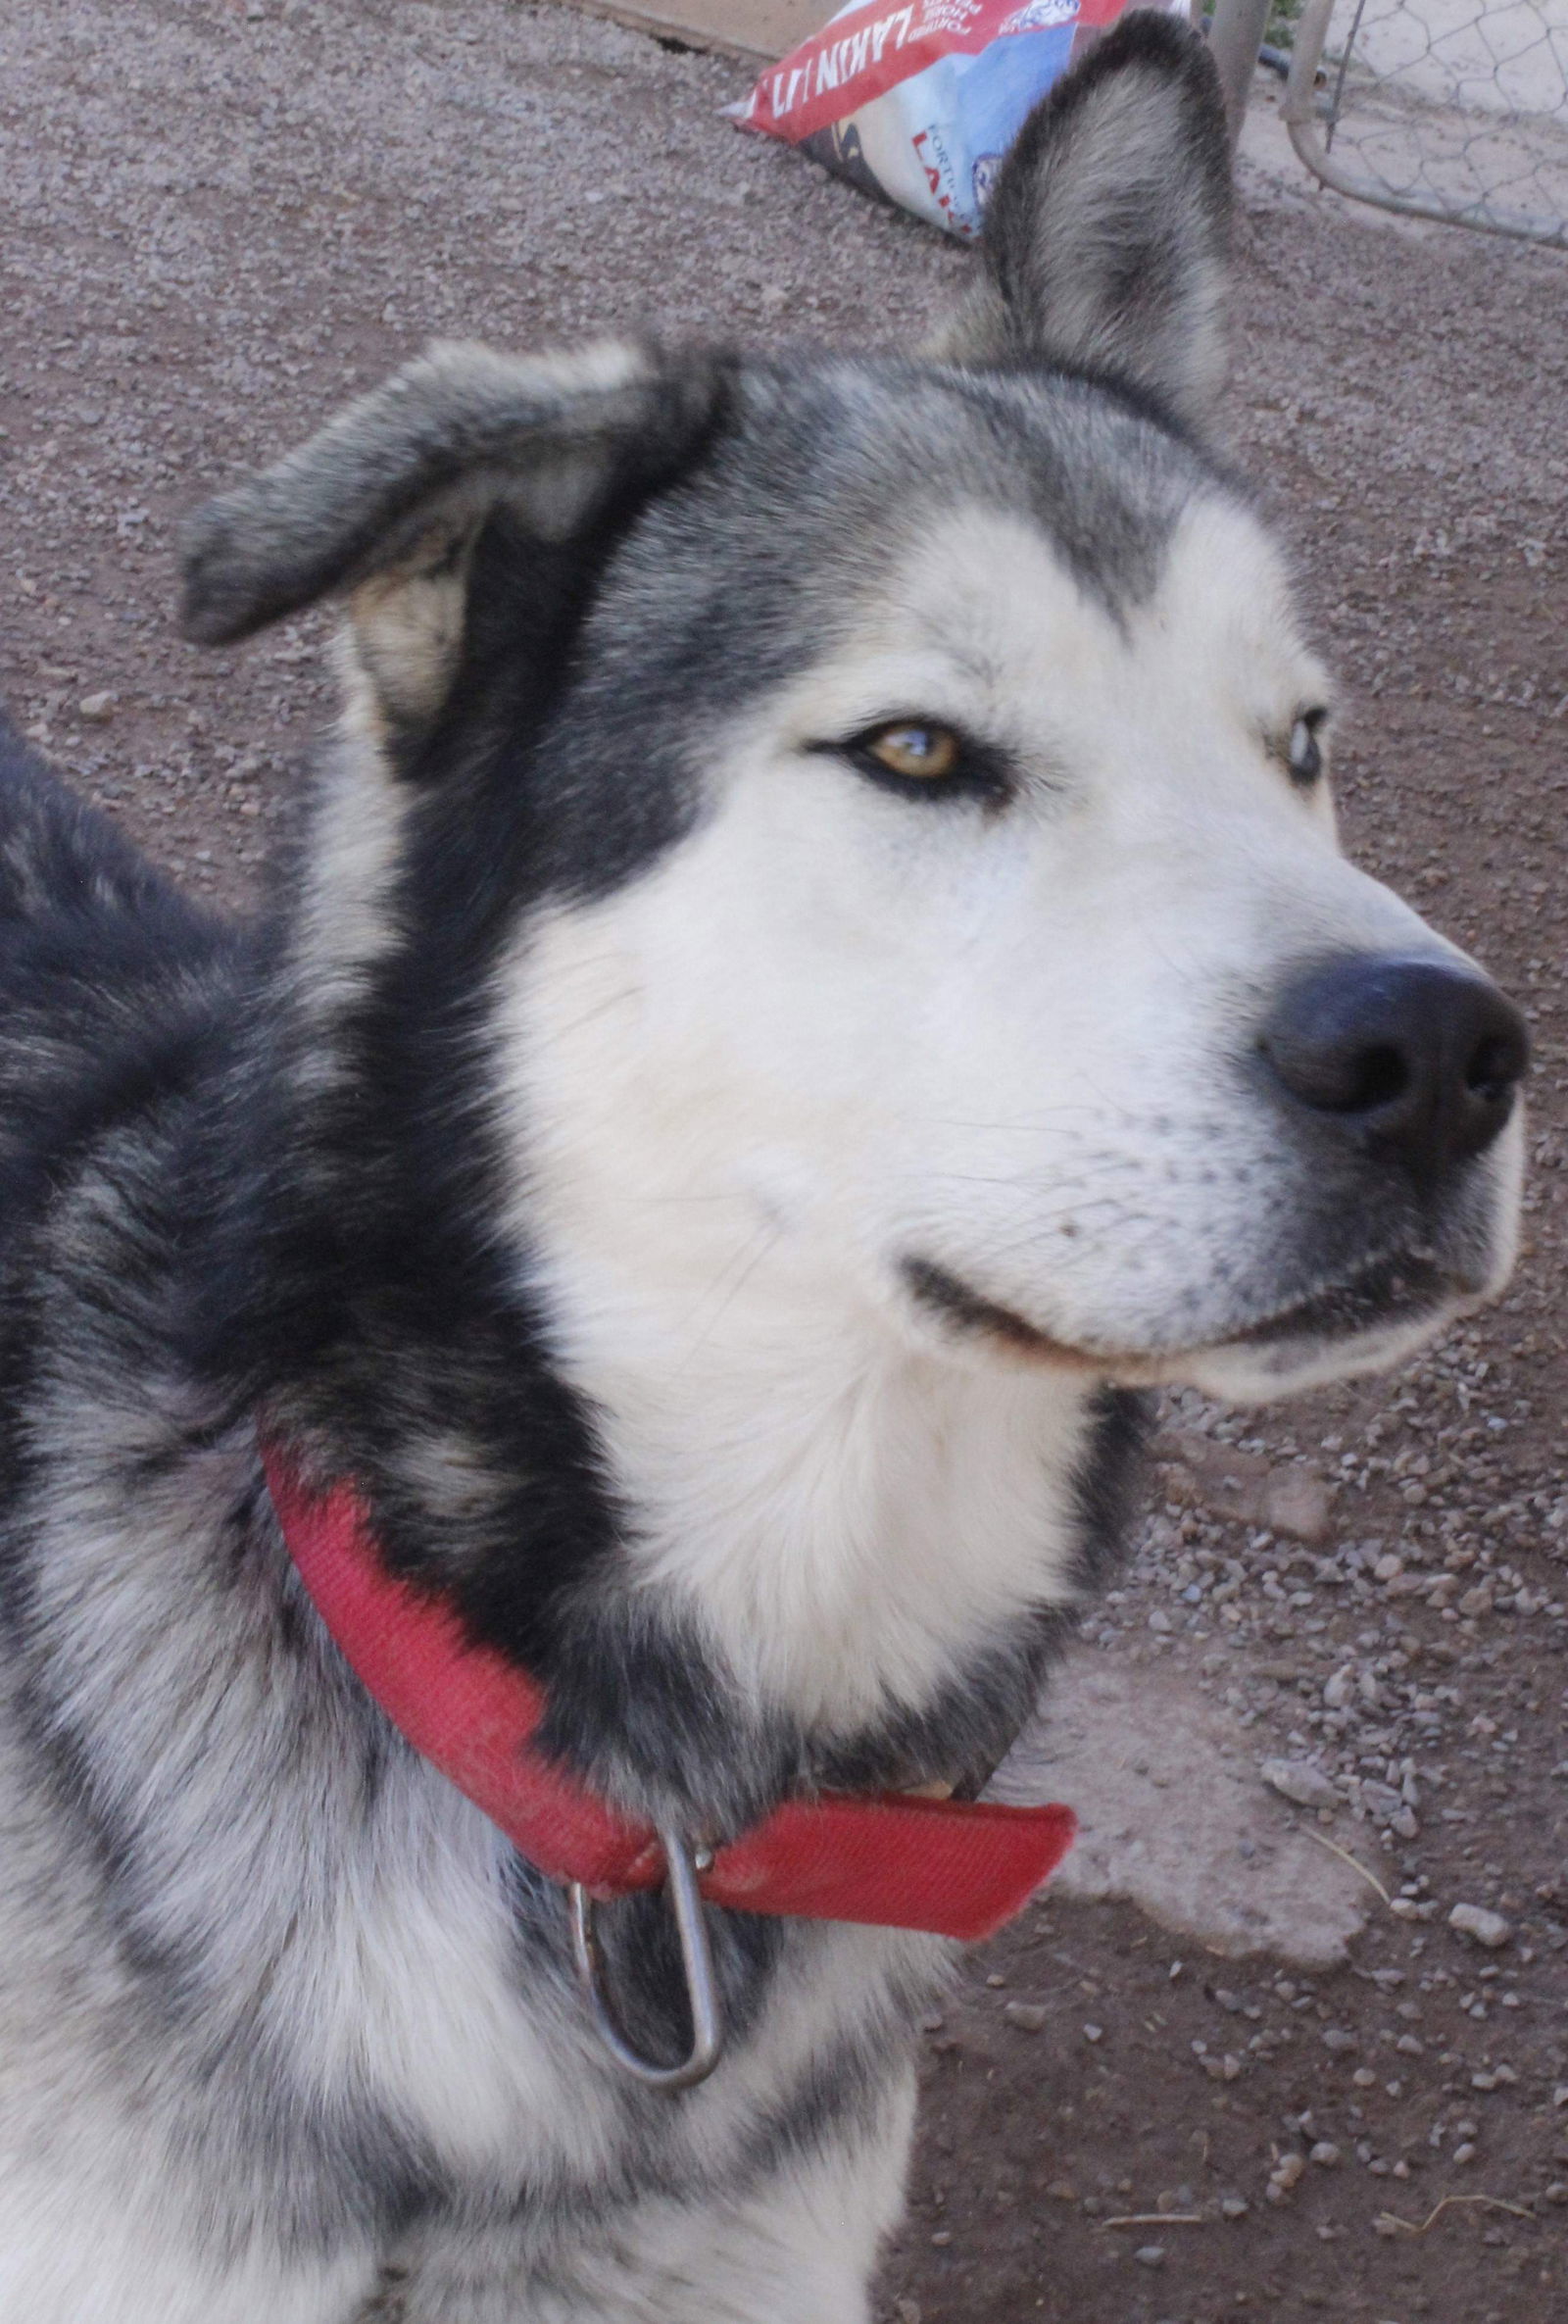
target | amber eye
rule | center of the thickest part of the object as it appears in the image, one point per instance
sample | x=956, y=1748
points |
x=921, y=753
x=915, y=758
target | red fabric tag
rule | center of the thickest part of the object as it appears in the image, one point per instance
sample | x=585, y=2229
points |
x=956, y=1868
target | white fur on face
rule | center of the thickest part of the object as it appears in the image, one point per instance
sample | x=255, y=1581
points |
x=836, y=1029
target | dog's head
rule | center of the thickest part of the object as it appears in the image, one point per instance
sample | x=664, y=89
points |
x=882, y=808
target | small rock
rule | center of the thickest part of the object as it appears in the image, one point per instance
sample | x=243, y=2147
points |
x=1159, y=1620
x=1324, y=2153
x=1296, y=1503
x=1094, y=2033
x=97, y=709
x=1150, y=2254
x=1028, y=2016
x=1220, y=1478
x=1487, y=1928
x=1340, y=1688
x=1380, y=1799
x=908, y=2311
x=1465, y=2151
x=1234, y=2206
x=1285, y=2174
x=1301, y=1781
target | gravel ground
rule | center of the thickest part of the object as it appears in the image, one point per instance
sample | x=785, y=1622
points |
x=219, y=219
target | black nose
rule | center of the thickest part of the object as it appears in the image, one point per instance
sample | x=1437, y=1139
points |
x=1415, y=1057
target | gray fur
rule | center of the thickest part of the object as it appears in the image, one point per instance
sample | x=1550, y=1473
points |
x=414, y=466
x=1105, y=239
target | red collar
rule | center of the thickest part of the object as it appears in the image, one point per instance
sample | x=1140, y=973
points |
x=958, y=1868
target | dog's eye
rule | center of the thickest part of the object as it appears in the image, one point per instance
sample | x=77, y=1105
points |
x=1307, y=751
x=919, y=757
x=920, y=754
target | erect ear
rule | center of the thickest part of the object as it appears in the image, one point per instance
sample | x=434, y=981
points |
x=387, y=500
x=1104, y=242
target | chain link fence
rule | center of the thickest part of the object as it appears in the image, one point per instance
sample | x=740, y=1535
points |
x=1449, y=109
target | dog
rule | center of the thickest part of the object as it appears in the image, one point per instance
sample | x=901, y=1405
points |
x=817, y=972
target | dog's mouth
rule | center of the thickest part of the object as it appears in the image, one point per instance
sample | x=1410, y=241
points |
x=1389, y=1292
x=1399, y=1288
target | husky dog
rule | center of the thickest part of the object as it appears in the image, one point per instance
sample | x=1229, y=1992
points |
x=820, y=969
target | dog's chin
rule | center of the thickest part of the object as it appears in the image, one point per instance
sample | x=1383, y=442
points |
x=1368, y=1321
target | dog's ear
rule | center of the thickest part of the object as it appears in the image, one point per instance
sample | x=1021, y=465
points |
x=1104, y=245
x=389, y=499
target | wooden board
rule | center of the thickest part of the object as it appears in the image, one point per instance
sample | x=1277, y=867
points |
x=749, y=28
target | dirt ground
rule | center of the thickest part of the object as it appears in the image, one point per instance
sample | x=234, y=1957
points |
x=218, y=220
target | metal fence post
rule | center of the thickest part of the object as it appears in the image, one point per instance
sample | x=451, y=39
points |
x=1235, y=36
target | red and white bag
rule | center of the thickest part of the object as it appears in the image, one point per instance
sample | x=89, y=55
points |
x=919, y=101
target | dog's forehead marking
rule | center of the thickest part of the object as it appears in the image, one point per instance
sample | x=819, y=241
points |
x=840, y=454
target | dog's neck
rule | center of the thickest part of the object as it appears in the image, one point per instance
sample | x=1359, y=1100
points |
x=711, y=1492
x=846, y=1511
x=849, y=1520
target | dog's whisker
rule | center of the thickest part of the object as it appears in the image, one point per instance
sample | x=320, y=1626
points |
x=697, y=1334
